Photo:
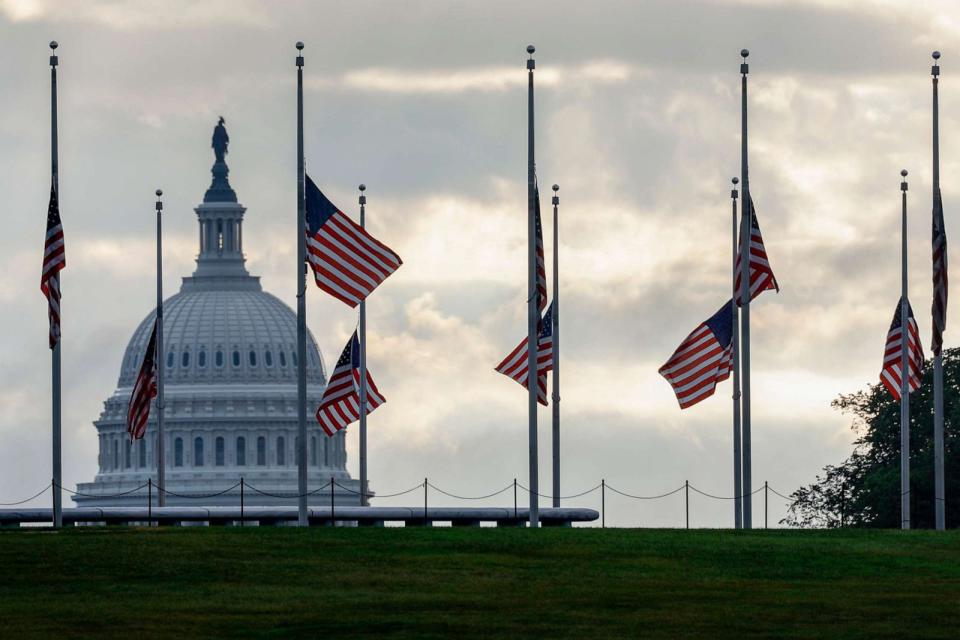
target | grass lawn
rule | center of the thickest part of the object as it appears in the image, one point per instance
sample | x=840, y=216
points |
x=423, y=583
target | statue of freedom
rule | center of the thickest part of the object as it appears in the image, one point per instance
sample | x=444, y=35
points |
x=220, y=140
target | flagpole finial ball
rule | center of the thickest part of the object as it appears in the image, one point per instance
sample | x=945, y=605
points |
x=903, y=172
x=936, y=55
x=531, y=49
x=299, y=46
x=54, y=44
x=744, y=52
x=556, y=187
x=159, y=192
x=736, y=181
x=363, y=187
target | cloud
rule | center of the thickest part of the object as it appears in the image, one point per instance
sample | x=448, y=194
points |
x=637, y=121
x=131, y=15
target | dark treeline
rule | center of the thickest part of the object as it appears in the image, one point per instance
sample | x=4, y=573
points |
x=864, y=490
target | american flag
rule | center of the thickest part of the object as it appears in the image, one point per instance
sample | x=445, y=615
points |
x=144, y=390
x=703, y=359
x=890, y=375
x=515, y=365
x=761, y=275
x=54, y=259
x=340, y=404
x=348, y=263
x=939, y=276
x=541, y=263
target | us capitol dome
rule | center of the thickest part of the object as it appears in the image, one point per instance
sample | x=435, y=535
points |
x=230, y=386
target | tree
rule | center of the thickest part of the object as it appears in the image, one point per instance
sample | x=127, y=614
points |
x=864, y=490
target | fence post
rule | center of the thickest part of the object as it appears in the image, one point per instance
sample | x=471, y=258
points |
x=333, y=520
x=686, y=485
x=424, y=501
x=603, y=503
x=766, y=500
x=514, y=497
x=243, y=522
x=149, y=502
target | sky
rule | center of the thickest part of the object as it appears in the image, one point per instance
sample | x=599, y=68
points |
x=638, y=121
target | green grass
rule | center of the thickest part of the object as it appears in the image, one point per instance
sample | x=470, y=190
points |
x=423, y=583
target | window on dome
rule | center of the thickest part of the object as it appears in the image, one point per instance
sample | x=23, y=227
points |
x=170, y=360
x=326, y=451
x=185, y=359
x=178, y=452
x=218, y=359
x=283, y=358
x=241, y=451
x=281, y=452
x=198, y=451
x=261, y=451
x=253, y=358
x=313, y=451
x=142, y=453
x=268, y=359
x=116, y=455
x=293, y=358
x=202, y=359
x=220, y=448
x=236, y=358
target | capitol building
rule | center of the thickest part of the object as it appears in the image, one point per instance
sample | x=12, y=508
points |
x=230, y=368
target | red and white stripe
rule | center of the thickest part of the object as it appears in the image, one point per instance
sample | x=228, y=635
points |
x=349, y=263
x=939, y=307
x=144, y=390
x=761, y=274
x=890, y=375
x=516, y=365
x=54, y=260
x=698, y=364
x=340, y=404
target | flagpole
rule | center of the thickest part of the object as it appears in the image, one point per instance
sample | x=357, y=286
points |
x=938, y=475
x=737, y=455
x=745, y=241
x=556, y=349
x=364, y=499
x=904, y=367
x=55, y=354
x=533, y=313
x=159, y=363
x=301, y=307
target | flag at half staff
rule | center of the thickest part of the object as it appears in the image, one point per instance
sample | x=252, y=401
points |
x=54, y=260
x=340, y=404
x=703, y=359
x=939, y=276
x=515, y=365
x=348, y=263
x=144, y=390
x=761, y=275
x=541, y=263
x=890, y=374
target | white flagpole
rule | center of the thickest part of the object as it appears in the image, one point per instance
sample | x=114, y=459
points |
x=160, y=364
x=533, y=313
x=745, y=241
x=301, y=307
x=938, y=476
x=55, y=364
x=737, y=455
x=556, y=349
x=364, y=498
x=904, y=367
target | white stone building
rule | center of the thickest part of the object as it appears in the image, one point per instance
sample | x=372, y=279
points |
x=230, y=386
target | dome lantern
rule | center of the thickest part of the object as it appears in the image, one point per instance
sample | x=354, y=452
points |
x=220, y=260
